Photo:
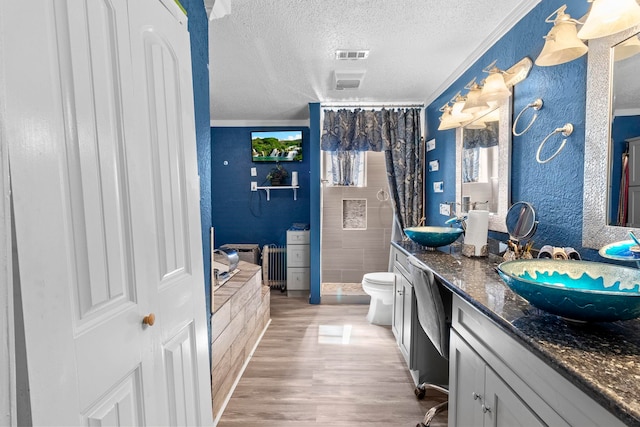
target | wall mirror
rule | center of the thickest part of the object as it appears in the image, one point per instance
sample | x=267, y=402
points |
x=624, y=194
x=483, y=159
x=613, y=106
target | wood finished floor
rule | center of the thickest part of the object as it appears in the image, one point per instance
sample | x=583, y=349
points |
x=302, y=374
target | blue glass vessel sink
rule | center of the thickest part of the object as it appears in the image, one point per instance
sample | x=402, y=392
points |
x=433, y=237
x=625, y=250
x=576, y=290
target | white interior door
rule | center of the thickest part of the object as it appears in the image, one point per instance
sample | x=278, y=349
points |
x=162, y=75
x=106, y=214
x=7, y=362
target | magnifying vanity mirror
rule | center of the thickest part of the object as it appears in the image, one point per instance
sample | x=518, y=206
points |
x=612, y=127
x=521, y=221
x=483, y=158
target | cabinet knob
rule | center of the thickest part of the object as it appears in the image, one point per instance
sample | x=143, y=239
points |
x=476, y=396
x=485, y=409
x=149, y=319
x=399, y=292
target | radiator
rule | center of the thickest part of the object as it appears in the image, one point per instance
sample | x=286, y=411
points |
x=274, y=266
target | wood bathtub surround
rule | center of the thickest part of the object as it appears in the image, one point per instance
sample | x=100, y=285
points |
x=241, y=313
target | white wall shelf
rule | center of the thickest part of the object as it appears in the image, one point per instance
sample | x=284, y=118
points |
x=280, y=187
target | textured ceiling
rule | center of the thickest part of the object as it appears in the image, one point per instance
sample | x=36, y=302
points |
x=270, y=58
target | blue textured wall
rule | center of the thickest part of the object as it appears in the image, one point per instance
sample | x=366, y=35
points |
x=243, y=216
x=199, y=35
x=555, y=188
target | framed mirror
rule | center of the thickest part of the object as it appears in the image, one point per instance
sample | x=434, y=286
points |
x=483, y=160
x=603, y=155
x=624, y=192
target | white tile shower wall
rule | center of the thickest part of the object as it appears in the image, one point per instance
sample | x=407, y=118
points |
x=348, y=254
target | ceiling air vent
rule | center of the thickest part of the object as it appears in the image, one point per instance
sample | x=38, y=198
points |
x=352, y=54
x=348, y=79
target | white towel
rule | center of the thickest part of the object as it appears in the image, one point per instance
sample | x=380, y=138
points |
x=477, y=230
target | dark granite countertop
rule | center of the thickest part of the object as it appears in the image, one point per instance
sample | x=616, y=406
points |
x=602, y=359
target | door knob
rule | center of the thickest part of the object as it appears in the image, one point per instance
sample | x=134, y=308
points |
x=149, y=319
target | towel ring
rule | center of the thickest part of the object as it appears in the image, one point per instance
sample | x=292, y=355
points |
x=382, y=195
x=536, y=105
x=566, y=130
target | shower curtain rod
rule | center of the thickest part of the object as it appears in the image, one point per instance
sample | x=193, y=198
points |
x=382, y=105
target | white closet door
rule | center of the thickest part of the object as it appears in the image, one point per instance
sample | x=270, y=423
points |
x=162, y=75
x=93, y=258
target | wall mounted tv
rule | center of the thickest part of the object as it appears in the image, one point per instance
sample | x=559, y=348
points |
x=276, y=146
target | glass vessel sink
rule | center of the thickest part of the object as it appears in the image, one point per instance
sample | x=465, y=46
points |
x=624, y=250
x=433, y=237
x=576, y=290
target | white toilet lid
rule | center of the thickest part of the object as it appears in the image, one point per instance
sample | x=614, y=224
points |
x=384, y=278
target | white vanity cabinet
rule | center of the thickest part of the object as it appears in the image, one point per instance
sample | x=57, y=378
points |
x=298, y=262
x=422, y=358
x=402, y=301
x=479, y=397
x=495, y=381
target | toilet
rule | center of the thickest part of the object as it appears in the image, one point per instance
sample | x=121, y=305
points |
x=380, y=287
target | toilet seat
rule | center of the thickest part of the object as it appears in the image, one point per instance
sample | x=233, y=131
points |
x=381, y=278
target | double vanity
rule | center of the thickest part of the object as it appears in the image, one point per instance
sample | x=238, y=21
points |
x=510, y=363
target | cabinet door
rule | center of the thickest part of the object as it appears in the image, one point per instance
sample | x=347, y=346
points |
x=297, y=237
x=401, y=324
x=297, y=278
x=466, y=384
x=396, y=325
x=503, y=407
x=298, y=255
x=407, y=299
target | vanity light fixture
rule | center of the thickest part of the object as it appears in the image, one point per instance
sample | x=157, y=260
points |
x=474, y=104
x=456, y=110
x=493, y=116
x=562, y=43
x=446, y=120
x=476, y=124
x=481, y=119
x=626, y=49
x=518, y=72
x=608, y=17
x=494, y=88
x=457, y=114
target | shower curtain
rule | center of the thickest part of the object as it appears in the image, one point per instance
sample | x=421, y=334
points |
x=397, y=133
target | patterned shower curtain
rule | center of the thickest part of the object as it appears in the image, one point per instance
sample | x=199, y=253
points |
x=397, y=133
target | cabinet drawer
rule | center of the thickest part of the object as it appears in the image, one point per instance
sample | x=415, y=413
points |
x=297, y=237
x=400, y=257
x=297, y=278
x=298, y=256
